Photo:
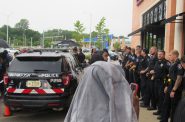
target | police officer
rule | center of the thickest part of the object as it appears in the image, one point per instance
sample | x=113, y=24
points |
x=173, y=90
x=160, y=73
x=150, y=80
x=183, y=81
x=136, y=70
x=124, y=55
x=180, y=111
x=131, y=62
x=127, y=57
x=143, y=64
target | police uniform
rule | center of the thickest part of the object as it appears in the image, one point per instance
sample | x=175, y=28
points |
x=183, y=83
x=137, y=70
x=170, y=104
x=161, y=70
x=150, y=97
x=127, y=57
x=131, y=72
x=143, y=64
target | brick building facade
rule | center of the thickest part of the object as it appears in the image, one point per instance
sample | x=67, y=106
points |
x=159, y=23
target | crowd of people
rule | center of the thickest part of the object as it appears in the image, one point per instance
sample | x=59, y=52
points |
x=160, y=80
x=159, y=76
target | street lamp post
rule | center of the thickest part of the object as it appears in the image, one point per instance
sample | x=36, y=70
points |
x=7, y=30
x=90, y=30
x=31, y=42
x=43, y=40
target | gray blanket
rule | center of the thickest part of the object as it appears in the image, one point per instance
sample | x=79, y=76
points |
x=103, y=95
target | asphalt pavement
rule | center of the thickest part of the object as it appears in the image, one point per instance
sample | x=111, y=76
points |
x=54, y=116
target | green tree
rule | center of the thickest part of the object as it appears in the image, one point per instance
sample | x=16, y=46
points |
x=79, y=29
x=101, y=31
x=23, y=24
x=100, y=28
x=117, y=46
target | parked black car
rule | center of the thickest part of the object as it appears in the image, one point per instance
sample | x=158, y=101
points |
x=41, y=80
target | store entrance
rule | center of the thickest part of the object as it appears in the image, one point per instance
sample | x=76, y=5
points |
x=154, y=36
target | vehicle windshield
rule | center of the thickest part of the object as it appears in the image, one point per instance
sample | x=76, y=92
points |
x=36, y=64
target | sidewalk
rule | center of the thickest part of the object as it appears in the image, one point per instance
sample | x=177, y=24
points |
x=147, y=116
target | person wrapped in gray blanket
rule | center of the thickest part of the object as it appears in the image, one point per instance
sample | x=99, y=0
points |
x=103, y=95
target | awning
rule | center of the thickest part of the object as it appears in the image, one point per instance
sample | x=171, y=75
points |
x=136, y=31
x=147, y=27
x=154, y=25
x=173, y=18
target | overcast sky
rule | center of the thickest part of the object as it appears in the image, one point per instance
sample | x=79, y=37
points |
x=50, y=14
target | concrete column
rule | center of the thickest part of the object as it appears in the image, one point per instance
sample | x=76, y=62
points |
x=170, y=27
x=178, y=27
x=183, y=35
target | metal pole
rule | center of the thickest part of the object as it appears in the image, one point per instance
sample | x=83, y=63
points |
x=52, y=41
x=31, y=42
x=10, y=42
x=90, y=30
x=25, y=41
x=43, y=40
x=7, y=30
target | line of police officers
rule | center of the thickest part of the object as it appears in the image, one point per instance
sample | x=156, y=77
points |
x=159, y=80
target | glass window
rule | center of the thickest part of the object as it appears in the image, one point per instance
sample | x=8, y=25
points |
x=31, y=64
x=164, y=11
x=154, y=40
x=151, y=17
x=159, y=43
x=155, y=14
x=151, y=40
x=160, y=12
x=148, y=18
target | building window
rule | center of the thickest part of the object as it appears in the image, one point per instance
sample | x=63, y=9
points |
x=155, y=14
x=154, y=33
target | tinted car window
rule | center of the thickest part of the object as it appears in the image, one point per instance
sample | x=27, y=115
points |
x=35, y=64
